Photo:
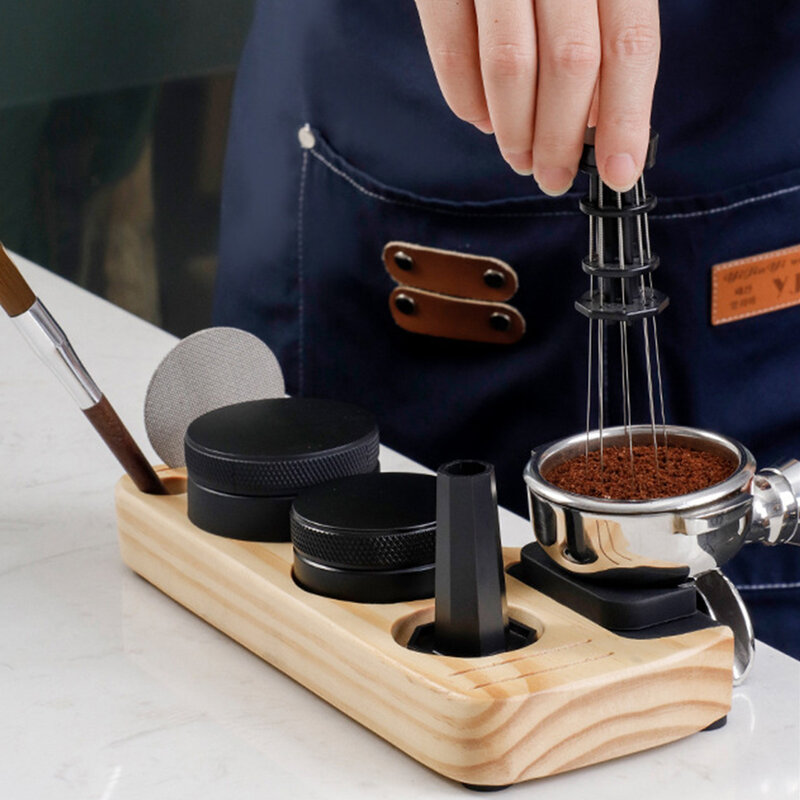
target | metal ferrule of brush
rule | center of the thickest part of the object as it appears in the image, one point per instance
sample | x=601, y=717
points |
x=45, y=336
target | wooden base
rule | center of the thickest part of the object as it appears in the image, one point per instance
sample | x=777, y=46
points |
x=577, y=696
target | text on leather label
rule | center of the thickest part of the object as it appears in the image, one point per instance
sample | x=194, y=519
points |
x=748, y=287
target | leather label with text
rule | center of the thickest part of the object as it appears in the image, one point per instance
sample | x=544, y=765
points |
x=748, y=287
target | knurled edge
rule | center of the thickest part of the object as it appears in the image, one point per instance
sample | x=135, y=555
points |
x=240, y=476
x=417, y=545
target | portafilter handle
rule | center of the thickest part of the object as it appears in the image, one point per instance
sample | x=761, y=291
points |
x=776, y=500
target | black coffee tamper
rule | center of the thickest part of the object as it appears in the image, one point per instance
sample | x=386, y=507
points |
x=247, y=462
x=471, y=615
x=366, y=538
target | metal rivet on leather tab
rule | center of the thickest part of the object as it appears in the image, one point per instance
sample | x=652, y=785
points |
x=403, y=261
x=494, y=279
x=500, y=322
x=405, y=304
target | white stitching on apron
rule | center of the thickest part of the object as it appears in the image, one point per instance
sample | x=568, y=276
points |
x=738, y=204
x=301, y=275
x=432, y=208
x=760, y=587
x=452, y=212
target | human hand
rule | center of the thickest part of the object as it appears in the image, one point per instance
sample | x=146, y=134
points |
x=537, y=72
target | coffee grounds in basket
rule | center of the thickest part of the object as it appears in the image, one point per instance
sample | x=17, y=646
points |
x=680, y=470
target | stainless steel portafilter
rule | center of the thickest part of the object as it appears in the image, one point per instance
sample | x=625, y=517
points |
x=669, y=539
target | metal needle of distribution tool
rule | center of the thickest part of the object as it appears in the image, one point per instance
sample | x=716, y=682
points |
x=620, y=266
x=50, y=343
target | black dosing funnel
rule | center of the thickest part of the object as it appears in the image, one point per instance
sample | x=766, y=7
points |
x=471, y=615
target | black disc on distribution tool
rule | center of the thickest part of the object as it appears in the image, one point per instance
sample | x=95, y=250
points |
x=367, y=538
x=281, y=445
x=245, y=458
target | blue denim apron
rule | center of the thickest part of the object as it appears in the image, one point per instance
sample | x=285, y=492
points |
x=303, y=229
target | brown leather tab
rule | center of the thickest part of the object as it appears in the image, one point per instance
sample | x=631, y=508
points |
x=449, y=272
x=748, y=287
x=433, y=314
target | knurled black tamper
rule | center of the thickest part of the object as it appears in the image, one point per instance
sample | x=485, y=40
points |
x=247, y=462
x=367, y=538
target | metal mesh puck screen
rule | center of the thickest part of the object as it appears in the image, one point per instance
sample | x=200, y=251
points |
x=210, y=369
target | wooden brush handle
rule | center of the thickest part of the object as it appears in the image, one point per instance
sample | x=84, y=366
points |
x=16, y=296
x=121, y=443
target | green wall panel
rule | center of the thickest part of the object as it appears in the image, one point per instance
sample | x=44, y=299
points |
x=62, y=48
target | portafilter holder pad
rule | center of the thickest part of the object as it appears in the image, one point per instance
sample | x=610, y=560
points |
x=210, y=369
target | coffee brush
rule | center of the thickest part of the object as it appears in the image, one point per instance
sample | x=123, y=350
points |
x=50, y=343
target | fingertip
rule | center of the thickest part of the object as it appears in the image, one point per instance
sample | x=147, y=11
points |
x=525, y=172
x=550, y=193
x=619, y=172
x=521, y=163
x=554, y=181
x=484, y=126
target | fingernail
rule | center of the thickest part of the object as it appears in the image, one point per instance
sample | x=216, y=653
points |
x=484, y=126
x=554, y=181
x=620, y=172
x=521, y=163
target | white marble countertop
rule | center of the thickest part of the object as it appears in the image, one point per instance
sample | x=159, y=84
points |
x=108, y=689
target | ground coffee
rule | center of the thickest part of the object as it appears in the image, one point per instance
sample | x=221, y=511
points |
x=680, y=470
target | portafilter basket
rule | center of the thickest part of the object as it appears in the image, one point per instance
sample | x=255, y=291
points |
x=670, y=539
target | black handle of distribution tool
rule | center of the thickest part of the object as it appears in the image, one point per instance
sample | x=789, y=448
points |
x=471, y=615
x=620, y=259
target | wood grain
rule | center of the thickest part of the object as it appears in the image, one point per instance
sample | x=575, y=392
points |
x=577, y=696
x=16, y=296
